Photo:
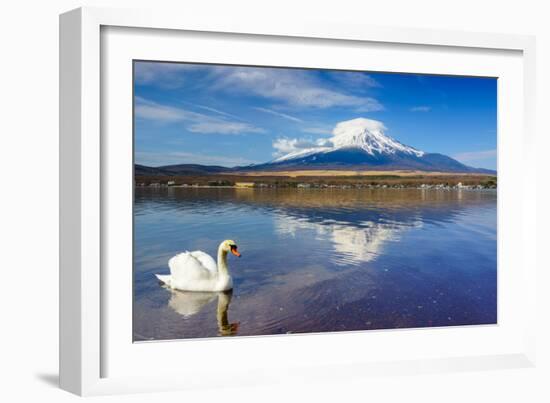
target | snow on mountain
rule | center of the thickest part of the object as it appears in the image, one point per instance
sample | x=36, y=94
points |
x=368, y=135
x=361, y=133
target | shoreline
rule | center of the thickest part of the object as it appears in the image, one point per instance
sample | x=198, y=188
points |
x=344, y=187
x=374, y=181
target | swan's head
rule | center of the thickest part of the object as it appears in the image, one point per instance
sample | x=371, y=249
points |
x=230, y=246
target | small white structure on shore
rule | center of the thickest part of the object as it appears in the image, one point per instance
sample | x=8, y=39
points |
x=244, y=184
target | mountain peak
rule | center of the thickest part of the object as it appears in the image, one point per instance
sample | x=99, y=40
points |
x=368, y=135
x=360, y=133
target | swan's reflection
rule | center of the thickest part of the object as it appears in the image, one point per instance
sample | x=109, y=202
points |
x=224, y=327
x=188, y=303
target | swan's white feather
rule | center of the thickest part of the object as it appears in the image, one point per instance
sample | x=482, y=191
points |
x=206, y=260
x=164, y=278
x=187, y=266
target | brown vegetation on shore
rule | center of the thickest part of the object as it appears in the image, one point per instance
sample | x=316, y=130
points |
x=354, y=173
x=324, y=179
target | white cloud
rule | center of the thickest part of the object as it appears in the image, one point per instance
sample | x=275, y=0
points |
x=279, y=114
x=149, y=110
x=175, y=157
x=293, y=87
x=166, y=75
x=369, y=105
x=284, y=145
x=208, y=108
x=223, y=127
x=475, y=156
x=421, y=108
x=355, y=79
x=193, y=121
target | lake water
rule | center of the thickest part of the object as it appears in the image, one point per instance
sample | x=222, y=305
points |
x=317, y=260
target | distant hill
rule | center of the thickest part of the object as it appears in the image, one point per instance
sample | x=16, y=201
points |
x=180, y=169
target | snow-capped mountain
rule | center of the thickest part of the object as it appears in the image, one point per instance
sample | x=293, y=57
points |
x=362, y=144
x=363, y=134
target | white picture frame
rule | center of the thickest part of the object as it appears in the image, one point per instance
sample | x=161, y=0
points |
x=87, y=345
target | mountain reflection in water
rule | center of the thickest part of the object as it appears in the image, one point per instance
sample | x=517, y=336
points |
x=318, y=260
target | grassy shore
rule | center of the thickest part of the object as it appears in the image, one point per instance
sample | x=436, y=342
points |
x=324, y=179
x=350, y=173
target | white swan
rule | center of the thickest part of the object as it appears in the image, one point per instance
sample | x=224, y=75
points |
x=197, y=271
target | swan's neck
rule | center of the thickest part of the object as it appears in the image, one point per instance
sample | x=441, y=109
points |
x=222, y=262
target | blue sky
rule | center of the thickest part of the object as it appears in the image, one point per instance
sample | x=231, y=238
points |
x=232, y=115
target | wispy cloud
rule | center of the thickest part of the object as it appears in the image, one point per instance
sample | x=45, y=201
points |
x=150, y=110
x=164, y=75
x=279, y=114
x=219, y=112
x=297, y=88
x=223, y=127
x=178, y=157
x=475, y=156
x=292, y=87
x=355, y=79
x=193, y=121
x=421, y=108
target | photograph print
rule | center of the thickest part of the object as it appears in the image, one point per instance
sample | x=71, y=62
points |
x=276, y=201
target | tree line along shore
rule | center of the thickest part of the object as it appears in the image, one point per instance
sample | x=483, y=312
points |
x=443, y=181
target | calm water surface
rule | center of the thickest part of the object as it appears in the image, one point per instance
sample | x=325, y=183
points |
x=317, y=260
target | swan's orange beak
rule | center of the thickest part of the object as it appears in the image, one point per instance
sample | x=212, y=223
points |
x=235, y=251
